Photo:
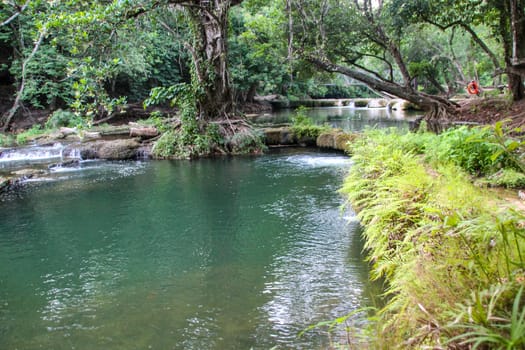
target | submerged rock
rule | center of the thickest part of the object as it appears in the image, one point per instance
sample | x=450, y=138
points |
x=66, y=164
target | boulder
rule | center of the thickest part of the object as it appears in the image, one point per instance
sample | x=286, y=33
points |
x=326, y=140
x=91, y=135
x=144, y=132
x=341, y=140
x=112, y=150
x=335, y=139
x=27, y=173
x=279, y=136
x=306, y=140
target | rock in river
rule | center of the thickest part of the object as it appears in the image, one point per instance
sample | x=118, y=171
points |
x=111, y=150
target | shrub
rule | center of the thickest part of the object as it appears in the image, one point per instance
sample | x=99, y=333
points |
x=435, y=238
x=247, y=141
x=469, y=148
x=303, y=126
x=6, y=140
x=28, y=135
x=508, y=178
x=61, y=118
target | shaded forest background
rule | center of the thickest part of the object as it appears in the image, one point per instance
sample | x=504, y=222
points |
x=98, y=58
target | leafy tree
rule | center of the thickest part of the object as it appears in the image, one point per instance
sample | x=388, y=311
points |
x=257, y=50
x=504, y=18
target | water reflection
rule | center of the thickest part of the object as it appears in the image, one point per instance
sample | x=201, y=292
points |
x=231, y=253
x=347, y=118
x=312, y=281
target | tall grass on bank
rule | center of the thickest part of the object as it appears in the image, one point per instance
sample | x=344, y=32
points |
x=452, y=259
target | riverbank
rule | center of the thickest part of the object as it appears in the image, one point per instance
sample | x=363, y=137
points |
x=450, y=251
x=66, y=147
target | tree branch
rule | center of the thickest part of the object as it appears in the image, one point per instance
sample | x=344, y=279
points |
x=8, y=116
x=15, y=15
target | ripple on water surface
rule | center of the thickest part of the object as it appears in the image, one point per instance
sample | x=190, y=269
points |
x=234, y=253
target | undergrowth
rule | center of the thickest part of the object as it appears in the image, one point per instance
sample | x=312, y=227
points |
x=454, y=262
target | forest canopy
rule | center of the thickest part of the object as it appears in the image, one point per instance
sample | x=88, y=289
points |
x=95, y=58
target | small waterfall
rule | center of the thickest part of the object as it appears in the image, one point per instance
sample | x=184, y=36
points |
x=22, y=156
x=72, y=153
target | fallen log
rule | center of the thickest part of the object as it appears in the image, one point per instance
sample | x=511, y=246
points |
x=144, y=132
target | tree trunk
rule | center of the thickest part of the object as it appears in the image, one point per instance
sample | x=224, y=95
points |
x=517, y=26
x=512, y=32
x=5, y=119
x=210, y=58
x=516, y=86
x=252, y=91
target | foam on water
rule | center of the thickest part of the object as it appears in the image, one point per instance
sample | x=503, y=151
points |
x=319, y=161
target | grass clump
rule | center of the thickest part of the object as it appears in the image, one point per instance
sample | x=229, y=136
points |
x=30, y=134
x=6, y=140
x=304, y=127
x=509, y=178
x=436, y=239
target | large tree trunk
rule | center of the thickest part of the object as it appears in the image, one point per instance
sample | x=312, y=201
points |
x=516, y=86
x=517, y=26
x=210, y=57
x=512, y=32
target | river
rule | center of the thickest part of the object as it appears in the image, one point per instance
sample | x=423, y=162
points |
x=224, y=253
x=346, y=118
x=228, y=253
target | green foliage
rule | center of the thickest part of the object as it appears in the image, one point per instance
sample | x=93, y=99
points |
x=434, y=237
x=257, y=48
x=508, y=178
x=469, y=148
x=6, y=140
x=166, y=145
x=156, y=119
x=179, y=143
x=246, y=141
x=303, y=126
x=510, y=146
x=46, y=84
x=345, y=323
x=191, y=139
x=29, y=135
x=91, y=100
x=64, y=118
x=487, y=326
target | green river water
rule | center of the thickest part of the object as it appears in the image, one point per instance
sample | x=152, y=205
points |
x=227, y=253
